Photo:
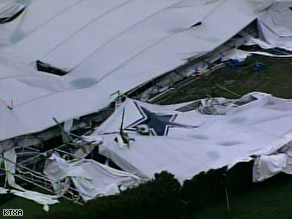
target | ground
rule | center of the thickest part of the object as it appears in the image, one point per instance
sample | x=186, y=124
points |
x=275, y=77
x=268, y=200
x=34, y=210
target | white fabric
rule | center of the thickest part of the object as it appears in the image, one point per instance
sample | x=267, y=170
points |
x=275, y=25
x=6, y=145
x=8, y=9
x=253, y=41
x=90, y=178
x=88, y=147
x=268, y=166
x=236, y=54
x=264, y=45
x=3, y=191
x=68, y=125
x=263, y=4
x=258, y=127
x=37, y=197
x=106, y=45
x=10, y=168
x=274, y=159
x=270, y=55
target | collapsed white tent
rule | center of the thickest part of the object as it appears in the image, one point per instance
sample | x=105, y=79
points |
x=105, y=46
x=90, y=179
x=189, y=138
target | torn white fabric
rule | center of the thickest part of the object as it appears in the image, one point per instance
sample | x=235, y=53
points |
x=275, y=25
x=278, y=143
x=264, y=45
x=10, y=160
x=266, y=166
x=254, y=41
x=91, y=179
x=37, y=197
x=87, y=145
x=270, y=55
x=3, y=190
x=10, y=168
x=68, y=125
x=236, y=54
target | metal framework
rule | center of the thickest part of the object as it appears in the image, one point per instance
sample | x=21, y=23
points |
x=30, y=170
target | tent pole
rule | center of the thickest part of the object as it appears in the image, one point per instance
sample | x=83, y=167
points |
x=227, y=198
x=224, y=183
x=229, y=91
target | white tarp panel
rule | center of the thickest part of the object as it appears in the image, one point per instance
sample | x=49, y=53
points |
x=198, y=136
x=270, y=165
x=37, y=197
x=90, y=178
x=106, y=45
x=278, y=161
x=275, y=25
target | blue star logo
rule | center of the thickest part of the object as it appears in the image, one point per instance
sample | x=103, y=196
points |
x=159, y=125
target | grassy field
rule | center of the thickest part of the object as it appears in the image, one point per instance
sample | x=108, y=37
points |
x=275, y=77
x=268, y=200
x=34, y=210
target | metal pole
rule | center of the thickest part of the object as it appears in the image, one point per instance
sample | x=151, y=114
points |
x=227, y=198
x=224, y=88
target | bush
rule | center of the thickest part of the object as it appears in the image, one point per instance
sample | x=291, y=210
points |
x=239, y=178
x=208, y=187
x=155, y=199
x=203, y=188
x=163, y=197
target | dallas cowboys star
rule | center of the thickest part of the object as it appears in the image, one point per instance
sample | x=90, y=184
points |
x=158, y=124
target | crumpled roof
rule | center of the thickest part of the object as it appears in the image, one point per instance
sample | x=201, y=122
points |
x=188, y=138
x=105, y=46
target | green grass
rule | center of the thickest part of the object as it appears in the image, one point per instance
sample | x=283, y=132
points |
x=34, y=210
x=274, y=78
x=268, y=200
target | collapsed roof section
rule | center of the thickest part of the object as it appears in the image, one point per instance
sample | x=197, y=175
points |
x=104, y=46
x=186, y=139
